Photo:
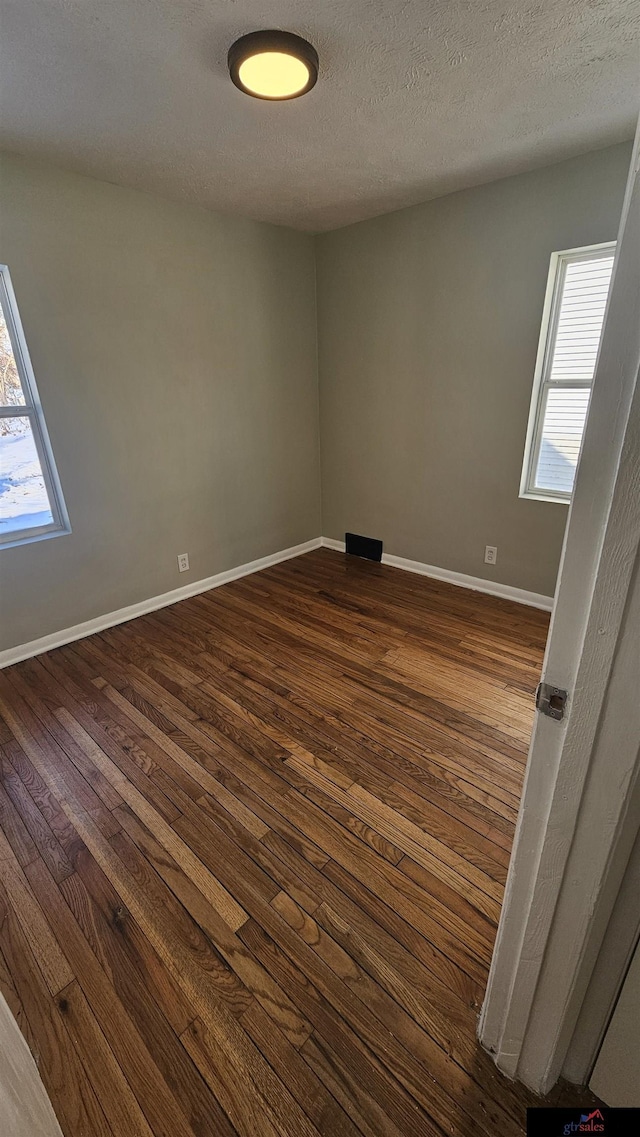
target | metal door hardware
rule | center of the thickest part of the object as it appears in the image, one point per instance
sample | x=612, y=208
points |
x=551, y=701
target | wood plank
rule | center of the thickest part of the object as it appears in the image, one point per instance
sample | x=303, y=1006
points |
x=111, y=1017
x=111, y=1087
x=65, y=688
x=69, y=1088
x=196, y=770
x=254, y=977
x=254, y=852
x=136, y=973
x=15, y=702
x=47, y=845
x=15, y=831
x=437, y=857
x=46, y=802
x=195, y=982
x=194, y=943
x=371, y=906
x=210, y=888
x=269, y=1109
x=339, y=725
x=438, y=925
x=46, y=949
x=352, y=1063
x=319, y=1106
x=352, y=1084
x=405, y=1037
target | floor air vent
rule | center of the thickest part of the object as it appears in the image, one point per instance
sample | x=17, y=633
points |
x=363, y=546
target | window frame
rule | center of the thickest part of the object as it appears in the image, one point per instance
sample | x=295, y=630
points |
x=32, y=409
x=541, y=381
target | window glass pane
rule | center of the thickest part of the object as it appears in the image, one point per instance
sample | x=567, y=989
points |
x=584, y=298
x=24, y=503
x=10, y=387
x=564, y=417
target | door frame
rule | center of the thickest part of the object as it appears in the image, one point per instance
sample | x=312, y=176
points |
x=620, y=942
x=570, y=850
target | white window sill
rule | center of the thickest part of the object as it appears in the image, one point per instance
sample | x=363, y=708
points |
x=539, y=495
x=30, y=537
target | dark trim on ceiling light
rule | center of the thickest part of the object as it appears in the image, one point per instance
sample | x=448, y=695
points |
x=272, y=40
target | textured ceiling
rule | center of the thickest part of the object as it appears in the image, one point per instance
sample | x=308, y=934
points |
x=415, y=98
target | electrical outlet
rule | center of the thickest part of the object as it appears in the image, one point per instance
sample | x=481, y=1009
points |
x=490, y=554
x=183, y=562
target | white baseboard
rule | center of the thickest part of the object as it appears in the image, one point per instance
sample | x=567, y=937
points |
x=110, y=619
x=477, y=583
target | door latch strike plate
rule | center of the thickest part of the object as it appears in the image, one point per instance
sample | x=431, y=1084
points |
x=551, y=701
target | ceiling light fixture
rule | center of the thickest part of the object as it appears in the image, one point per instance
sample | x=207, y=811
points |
x=273, y=65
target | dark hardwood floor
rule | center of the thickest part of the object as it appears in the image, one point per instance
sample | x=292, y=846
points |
x=254, y=848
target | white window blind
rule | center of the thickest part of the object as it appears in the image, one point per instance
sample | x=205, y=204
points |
x=575, y=305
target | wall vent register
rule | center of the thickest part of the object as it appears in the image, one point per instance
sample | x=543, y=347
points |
x=368, y=547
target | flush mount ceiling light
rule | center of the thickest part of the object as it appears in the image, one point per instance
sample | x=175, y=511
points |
x=273, y=65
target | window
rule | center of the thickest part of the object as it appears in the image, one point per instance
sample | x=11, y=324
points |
x=31, y=502
x=574, y=308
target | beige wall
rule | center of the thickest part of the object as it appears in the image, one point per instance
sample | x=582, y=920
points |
x=175, y=352
x=428, y=329
x=175, y=355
